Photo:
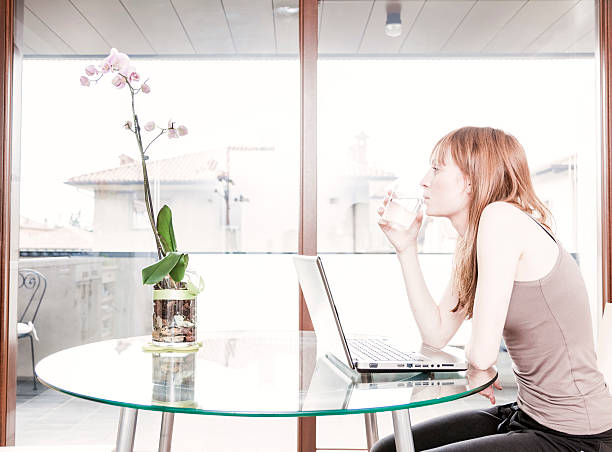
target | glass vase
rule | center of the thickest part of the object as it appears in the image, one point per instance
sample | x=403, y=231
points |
x=174, y=318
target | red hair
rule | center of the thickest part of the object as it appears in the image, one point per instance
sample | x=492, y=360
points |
x=495, y=163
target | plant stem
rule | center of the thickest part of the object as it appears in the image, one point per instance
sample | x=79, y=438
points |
x=147, y=190
x=160, y=134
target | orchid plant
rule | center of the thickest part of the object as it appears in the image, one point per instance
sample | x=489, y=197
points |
x=169, y=271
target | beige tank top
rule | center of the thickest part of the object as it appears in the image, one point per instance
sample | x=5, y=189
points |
x=549, y=337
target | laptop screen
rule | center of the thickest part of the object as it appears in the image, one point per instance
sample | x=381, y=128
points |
x=321, y=308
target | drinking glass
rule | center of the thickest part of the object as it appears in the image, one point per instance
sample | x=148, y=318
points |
x=403, y=205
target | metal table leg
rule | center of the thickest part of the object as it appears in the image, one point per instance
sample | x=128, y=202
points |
x=126, y=430
x=403, y=431
x=370, y=418
x=371, y=429
x=165, y=434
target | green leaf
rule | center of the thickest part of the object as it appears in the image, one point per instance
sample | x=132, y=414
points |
x=178, y=272
x=165, y=229
x=156, y=272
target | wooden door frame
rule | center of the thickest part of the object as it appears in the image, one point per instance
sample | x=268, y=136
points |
x=8, y=336
x=604, y=13
x=307, y=236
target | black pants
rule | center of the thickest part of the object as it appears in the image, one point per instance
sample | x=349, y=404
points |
x=502, y=428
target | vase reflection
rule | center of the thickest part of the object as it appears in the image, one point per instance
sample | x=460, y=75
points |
x=174, y=378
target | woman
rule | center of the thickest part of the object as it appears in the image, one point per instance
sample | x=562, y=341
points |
x=514, y=279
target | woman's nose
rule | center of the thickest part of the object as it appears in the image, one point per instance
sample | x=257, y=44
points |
x=424, y=182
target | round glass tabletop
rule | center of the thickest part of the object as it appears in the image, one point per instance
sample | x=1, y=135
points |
x=244, y=374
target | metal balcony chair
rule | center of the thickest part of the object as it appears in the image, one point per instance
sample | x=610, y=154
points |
x=36, y=285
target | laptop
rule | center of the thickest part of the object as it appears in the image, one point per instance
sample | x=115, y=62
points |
x=363, y=354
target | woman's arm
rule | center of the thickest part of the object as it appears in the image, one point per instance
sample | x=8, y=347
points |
x=437, y=324
x=498, y=249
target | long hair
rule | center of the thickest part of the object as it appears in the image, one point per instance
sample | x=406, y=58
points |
x=495, y=163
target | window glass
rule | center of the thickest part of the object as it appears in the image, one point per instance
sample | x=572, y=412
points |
x=229, y=73
x=393, y=78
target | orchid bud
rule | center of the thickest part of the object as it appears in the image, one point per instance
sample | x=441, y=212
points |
x=118, y=81
x=149, y=126
x=84, y=81
x=182, y=130
x=172, y=133
x=134, y=77
x=145, y=88
x=128, y=125
x=91, y=70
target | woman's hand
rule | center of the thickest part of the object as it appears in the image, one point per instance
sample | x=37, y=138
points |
x=401, y=238
x=489, y=393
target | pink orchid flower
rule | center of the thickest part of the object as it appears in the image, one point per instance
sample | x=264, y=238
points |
x=149, y=126
x=118, y=81
x=117, y=60
x=172, y=133
x=134, y=77
x=91, y=70
x=145, y=88
x=105, y=67
x=84, y=81
x=127, y=70
x=182, y=130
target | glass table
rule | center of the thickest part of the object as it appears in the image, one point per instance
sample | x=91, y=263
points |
x=247, y=373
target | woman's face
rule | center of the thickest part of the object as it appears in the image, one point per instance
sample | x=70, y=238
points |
x=445, y=189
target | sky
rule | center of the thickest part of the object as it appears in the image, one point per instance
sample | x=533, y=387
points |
x=403, y=106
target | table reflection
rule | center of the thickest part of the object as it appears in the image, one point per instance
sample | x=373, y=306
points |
x=333, y=388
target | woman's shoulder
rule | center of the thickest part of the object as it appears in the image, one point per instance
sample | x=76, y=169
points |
x=520, y=227
x=504, y=210
x=501, y=220
x=506, y=221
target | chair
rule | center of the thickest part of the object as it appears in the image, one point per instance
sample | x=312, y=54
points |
x=36, y=284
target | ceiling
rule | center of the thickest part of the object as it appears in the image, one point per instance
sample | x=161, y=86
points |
x=347, y=28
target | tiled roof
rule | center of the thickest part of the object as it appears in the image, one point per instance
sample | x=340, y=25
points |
x=34, y=235
x=190, y=168
x=182, y=169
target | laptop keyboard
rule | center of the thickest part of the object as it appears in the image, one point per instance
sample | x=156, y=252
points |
x=379, y=350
